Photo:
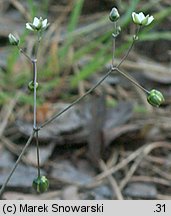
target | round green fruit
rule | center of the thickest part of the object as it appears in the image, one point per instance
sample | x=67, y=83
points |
x=155, y=98
x=40, y=184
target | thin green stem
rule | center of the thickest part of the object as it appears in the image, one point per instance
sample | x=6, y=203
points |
x=132, y=80
x=16, y=163
x=98, y=83
x=24, y=53
x=38, y=43
x=76, y=101
x=88, y=92
x=113, y=44
x=38, y=157
x=130, y=48
x=34, y=62
x=35, y=101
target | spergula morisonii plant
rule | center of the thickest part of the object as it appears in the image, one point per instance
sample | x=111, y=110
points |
x=154, y=97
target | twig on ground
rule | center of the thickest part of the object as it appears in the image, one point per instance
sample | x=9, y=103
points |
x=150, y=179
x=120, y=165
x=112, y=181
x=113, y=158
x=160, y=172
x=131, y=171
x=158, y=160
x=163, y=197
x=135, y=166
x=142, y=150
x=8, y=108
x=12, y=147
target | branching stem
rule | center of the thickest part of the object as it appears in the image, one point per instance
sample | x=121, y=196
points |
x=24, y=53
x=130, y=48
x=76, y=101
x=131, y=79
x=16, y=163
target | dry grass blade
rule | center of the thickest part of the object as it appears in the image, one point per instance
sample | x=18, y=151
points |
x=142, y=150
x=160, y=172
x=21, y=8
x=6, y=112
x=163, y=197
x=112, y=182
x=149, y=179
x=131, y=172
x=13, y=148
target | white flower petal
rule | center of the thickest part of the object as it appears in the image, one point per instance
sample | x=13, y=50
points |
x=44, y=23
x=29, y=27
x=150, y=20
x=133, y=14
x=135, y=18
x=141, y=16
x=11, y=36
x=145, y=21
x=36, y=22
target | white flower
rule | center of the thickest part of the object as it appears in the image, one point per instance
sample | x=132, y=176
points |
x=13, y=40
x=141, y=19
x=37, y=25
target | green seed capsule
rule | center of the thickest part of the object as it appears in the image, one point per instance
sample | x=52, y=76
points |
x=155, y=98
x=31, y=85
x=40, y=184
x=114, y=15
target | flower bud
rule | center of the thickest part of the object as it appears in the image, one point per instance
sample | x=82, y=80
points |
x=155, y=98
x=40, y=184
x=31, y=85
x=135, y=37
x=114, y=15
x=13, y=40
